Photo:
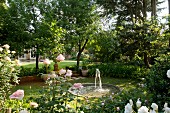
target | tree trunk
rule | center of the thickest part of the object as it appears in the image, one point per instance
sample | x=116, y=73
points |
x=80, y=51
x=146, y=60
x=144, y=10
x=37, y=58
x=153, y=6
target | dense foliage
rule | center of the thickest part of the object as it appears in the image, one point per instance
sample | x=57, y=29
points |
x=157, y=81
x=8, y=73
x=118, y=70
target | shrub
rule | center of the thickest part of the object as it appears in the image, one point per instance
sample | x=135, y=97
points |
x=157, y=82
x=8, y=73
x=118, y=70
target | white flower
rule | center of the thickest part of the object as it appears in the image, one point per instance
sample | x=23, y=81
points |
x=17, y=62
x=13, y=52
x=138, y=103
x=154, y=106
x=23, y=111
x=131, y=102
x=33, y=104
x=46, y=62
x=6, y=46
x=165, y=105
x=166, y=108
x=152, y=111
x=7, y=58
x=69, y=73
x=128, y=108
x=1, y=49
x=81, y=111
x=143, y=109
x=168, y=73
x=53, y=75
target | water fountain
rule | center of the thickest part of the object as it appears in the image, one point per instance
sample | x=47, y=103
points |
x=96, y=89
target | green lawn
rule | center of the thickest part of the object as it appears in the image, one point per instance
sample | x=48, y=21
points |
x=33, y=88
x=62, y=64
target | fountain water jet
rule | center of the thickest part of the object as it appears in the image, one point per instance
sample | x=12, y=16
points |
x=92, y=90
x=99, y=89
x=98, y=76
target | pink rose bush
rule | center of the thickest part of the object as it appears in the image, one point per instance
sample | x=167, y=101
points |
x=19, y=94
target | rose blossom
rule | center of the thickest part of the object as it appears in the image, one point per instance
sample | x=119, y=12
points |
x=168, y=73
x=6, y=46
x=69, y=73
x=166, y=108
x=128, y=108
x=19, y=94
x=17, y=62
x=154, y=106
x=46, y=62
x=53, y=75
x=152, y=111
x=131, y=102
x=1, y=49
x=62, y=71
x=117, y=108
x=138, y=103
x=24, y=111
x=7, y=58
x=143, y=109
x=13, y=52
x=33, y=104
x=77, y=85
x=60, y=57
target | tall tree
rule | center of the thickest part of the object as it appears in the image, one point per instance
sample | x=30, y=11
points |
x=79, y=18
x=28, y=24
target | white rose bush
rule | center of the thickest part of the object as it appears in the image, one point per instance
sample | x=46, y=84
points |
x=8, y=73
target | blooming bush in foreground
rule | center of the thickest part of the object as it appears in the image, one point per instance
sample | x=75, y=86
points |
x=8, y=73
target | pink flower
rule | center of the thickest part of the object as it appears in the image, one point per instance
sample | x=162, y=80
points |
x=62, y=71
x=19, y=94
x=60, y=57
x=46, y=62
x=69, y=73
x=77, y=85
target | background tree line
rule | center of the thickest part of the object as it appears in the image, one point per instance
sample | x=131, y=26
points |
x=58, y=26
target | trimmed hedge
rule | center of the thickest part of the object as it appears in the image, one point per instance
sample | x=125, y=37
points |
x=118, y=70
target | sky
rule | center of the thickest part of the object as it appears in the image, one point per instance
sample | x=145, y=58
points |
x=165, y=11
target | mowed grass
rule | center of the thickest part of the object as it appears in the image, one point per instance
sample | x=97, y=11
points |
x=62, y=64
